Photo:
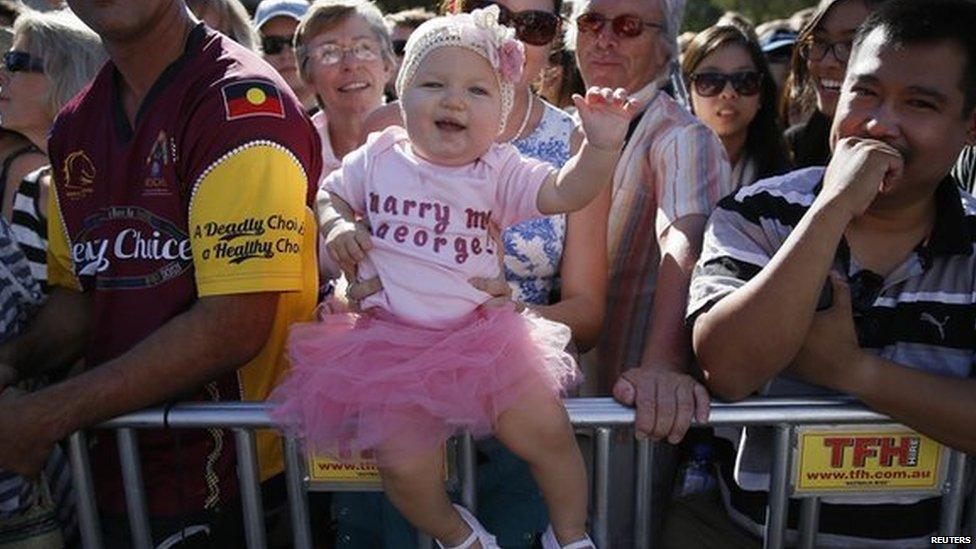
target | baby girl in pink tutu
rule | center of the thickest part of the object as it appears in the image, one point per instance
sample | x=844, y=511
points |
x=425, y=359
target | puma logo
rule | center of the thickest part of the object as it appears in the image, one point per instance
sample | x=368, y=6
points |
x=926, y=317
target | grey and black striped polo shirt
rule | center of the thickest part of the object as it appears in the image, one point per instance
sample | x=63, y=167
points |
x=924, y=316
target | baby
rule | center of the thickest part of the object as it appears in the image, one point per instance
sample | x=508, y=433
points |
x=425, y=358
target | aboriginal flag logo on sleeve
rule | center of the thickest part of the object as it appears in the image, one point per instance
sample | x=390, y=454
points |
x=248, y=98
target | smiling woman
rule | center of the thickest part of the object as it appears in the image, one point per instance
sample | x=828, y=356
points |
x=345, y=54
x=818, y=66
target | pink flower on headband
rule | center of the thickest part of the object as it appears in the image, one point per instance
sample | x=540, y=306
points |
x=511, y=59
x=506, y=54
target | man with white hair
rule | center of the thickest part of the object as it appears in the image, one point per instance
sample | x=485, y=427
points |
x=672, y=173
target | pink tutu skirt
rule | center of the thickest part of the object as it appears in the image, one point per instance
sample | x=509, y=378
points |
x=359, y=382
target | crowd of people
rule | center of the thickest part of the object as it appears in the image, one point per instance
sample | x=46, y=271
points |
x=395, y=226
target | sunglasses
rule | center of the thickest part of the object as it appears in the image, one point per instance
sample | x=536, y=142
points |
x=399, y=46
x=816, y=49
x=21, y=61
x=273, y=45
x=624, y=26
x=535, y=27
x=710, y=84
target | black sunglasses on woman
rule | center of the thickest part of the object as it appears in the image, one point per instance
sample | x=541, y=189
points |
x=535, y=27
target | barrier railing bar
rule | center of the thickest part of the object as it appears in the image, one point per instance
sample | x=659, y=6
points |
x=583, y=412
x=88, y=523
x=603, y=413
x=250, y=488
x=301, y=525
x=135, y=489
x=601, y=488
x=971, y=527
x=467, y=460
x=952, y=501
x=642, y=495
x=775, y=531
x=809, y=523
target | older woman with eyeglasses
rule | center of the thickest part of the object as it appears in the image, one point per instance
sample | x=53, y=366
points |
x=345, y=56
x=52, y=57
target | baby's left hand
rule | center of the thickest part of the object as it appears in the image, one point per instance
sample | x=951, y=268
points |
x=605, y=114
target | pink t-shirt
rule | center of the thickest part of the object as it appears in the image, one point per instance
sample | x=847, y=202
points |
x=430, y=222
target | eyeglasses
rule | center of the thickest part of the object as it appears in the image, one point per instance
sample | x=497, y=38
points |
x=816, y=49
x=273, y=45
x=21, y=61
x=535, y=27
x=330, y=54
x=399, y=46
x=710, y=84
x=624, y=26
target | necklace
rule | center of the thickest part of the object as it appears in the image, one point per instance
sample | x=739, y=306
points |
x=528, y=115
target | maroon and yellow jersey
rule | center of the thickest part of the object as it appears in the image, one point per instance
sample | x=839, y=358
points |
x=207, y=194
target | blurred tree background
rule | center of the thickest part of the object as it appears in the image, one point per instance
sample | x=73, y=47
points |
x=699, y=14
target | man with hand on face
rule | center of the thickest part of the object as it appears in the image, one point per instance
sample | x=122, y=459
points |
x=854, y=279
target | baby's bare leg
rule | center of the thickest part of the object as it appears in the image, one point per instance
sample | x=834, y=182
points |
x=416, y=488
x=537, y=429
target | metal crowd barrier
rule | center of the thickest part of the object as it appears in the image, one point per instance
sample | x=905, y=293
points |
x=602, y=414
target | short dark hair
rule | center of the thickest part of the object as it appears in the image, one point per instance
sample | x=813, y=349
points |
x=909, y=22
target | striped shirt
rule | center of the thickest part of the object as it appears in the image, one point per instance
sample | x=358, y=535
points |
x=923, y=317
x=28, y=224
x=672, y=167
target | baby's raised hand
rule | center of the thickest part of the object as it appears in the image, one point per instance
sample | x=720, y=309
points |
x=605, y=114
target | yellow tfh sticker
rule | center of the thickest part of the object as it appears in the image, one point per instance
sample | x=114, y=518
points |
x=359, y=471
x=871, y=458
x=362, y=469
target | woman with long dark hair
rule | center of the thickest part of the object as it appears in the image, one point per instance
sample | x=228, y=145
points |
x=733, y=93
x=818, y=66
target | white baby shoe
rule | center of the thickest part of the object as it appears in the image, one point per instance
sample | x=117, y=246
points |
x=549, y=541
x=478, y=533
